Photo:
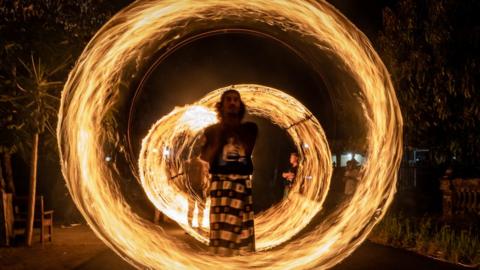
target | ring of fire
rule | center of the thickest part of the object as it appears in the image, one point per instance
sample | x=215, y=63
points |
x=96, y=82
x=177, y=131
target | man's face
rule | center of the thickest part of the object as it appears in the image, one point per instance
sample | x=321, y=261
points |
x=293, y=159
x=231, y=103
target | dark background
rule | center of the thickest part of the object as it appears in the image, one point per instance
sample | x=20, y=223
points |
x=207, y=64
x=220, y=60
x=436, y=119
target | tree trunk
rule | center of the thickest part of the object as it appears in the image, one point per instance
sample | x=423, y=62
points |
x=6, y=218
x=7, y=164
x=32, y=191
x=3, y=186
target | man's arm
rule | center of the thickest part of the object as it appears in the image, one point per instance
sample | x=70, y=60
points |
x=210, y=143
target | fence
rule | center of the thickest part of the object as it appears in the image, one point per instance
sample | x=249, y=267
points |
x=417, y=177
x=460, y=196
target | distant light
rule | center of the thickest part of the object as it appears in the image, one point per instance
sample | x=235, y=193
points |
x=306, y=145
x=454, y=157
x=166, y=152
x=108, y=158
x=349, y=156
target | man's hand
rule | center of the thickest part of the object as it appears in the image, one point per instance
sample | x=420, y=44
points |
x=288, y=176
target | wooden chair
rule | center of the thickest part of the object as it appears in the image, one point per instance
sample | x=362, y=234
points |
x=42, y=219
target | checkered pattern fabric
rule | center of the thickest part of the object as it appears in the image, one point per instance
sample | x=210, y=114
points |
x=231, y=214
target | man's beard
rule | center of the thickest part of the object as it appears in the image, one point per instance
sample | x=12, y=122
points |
x=231, y=116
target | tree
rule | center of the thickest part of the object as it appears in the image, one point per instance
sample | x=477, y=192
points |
x=32, y=32
x=431, y=50
x=8, y=145
x=36, y=101
x=9, y=128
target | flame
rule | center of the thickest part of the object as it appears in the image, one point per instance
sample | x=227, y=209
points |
x=179, y=129
x=95, y=85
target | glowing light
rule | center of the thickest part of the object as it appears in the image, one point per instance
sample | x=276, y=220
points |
x=166, y=152
x=195, y=216
x=274, y=226
x=95, y=84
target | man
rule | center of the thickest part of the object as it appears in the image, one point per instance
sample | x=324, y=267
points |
x=351, y=176
x=227, y=149
x=290, y=174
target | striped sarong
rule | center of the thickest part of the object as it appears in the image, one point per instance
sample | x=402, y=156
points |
x=231, y=214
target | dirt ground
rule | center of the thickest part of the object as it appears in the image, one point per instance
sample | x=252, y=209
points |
x=70, y=248
x=79, y=248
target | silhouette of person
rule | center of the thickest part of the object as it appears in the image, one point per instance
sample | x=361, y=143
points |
x=350, y=176
x=228, y=148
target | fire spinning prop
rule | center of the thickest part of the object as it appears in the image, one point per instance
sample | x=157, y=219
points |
x=117, y=51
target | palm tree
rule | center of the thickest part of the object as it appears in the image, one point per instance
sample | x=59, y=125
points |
x=34, y=95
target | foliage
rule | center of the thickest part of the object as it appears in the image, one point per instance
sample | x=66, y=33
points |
x=430, y=48
x=9, y=142
x=430, y=237
x=35, y=95
x=40, y=40
x=46, y=21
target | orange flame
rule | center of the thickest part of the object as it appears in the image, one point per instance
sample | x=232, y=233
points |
x=95, y=84
x=181, y=127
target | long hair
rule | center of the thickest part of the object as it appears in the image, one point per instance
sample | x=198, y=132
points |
x=219, y=105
